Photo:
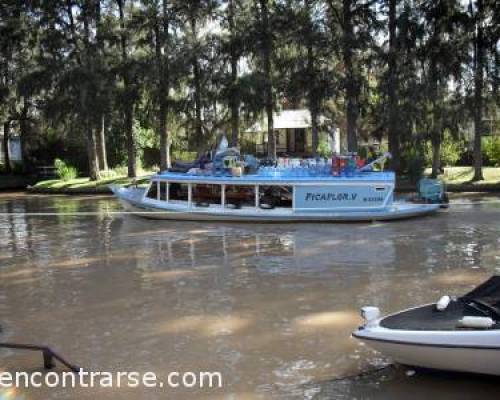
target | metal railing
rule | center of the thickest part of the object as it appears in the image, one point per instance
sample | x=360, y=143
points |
x=48, y=354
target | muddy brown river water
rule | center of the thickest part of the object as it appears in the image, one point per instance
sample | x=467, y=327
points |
x=270, y=307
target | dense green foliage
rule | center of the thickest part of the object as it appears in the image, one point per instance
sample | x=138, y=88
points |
x=64, y=171
x=452, y=150
x=131, y=83
x=324, y=149
x=492, y=151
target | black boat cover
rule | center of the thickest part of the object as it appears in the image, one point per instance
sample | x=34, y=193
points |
x=428, y=318
x=483, y=301
x=487, y=294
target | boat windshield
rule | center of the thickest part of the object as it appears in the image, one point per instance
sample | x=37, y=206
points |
x=486, y=295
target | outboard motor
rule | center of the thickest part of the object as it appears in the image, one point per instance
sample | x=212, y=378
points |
x=432, y=191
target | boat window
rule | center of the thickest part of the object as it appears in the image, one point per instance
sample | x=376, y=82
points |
x=275, y=196
x=238, y=196
x=153, y=191
x=178, y=191
x=206, y=195
x=163, y=191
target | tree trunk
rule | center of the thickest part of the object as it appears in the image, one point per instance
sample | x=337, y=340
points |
x=496, y=75
x=268, y=95
x=24, y=129
x=88, y=126
x=313, y=102
x=314, y=131
x=436, y=155
x=164, y=137
x=478, y=92
x=197, y=103
x=198, y=123
x=162, y=64
x=393, y=133
x=351, y=84
x=234, y=93
x=312, y=92
x=128, y=102
x=94, y=173
x=87, y=93
x=100, y=134
x=311, y=74
x=6, y=153
x=101, y=143
x=435, y=99
x=129, y=134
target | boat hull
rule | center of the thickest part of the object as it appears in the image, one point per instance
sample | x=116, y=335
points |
x=471, y=350
x=134, y=203
x=459, y=359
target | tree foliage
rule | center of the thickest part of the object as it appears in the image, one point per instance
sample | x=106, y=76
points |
x=109, y=76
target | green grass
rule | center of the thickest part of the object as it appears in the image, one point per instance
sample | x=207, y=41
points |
x=463, y=175
x=84, y=184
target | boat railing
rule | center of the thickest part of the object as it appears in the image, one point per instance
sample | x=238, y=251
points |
x=160, y=190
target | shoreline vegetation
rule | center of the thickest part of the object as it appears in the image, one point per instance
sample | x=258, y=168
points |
x=84, y=185
x=99, y=85
x=457, y=179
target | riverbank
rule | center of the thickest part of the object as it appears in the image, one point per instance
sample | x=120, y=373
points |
x=457, y=179
x=15, y=182
x=83, y=185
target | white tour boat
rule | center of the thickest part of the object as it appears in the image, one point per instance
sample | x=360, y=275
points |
x=362, y=196
x=460, y=334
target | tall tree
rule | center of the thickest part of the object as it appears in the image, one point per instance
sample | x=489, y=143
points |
x=129, y=95
x=266, y=49
x=303, y=74
x=312, y=72
x=392, y=72
x=6, y=153
x=197, y=84
x=87, y=89
x=479, y=66
x=162, y=17
x=352, y=84
x=102, y=83
x=196, y=16
x=13, y=64
x=234, y=56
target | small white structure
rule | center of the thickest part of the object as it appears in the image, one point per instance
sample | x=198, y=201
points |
x=293, y=133
x=15, y=152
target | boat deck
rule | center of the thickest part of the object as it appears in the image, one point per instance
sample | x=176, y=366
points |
x=428, y=318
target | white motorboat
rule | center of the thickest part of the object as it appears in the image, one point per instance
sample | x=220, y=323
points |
x=461, y=334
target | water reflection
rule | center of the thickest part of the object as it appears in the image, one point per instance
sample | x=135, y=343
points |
x=270, y=306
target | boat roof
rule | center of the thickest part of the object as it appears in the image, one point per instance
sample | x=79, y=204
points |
x=383, y=177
